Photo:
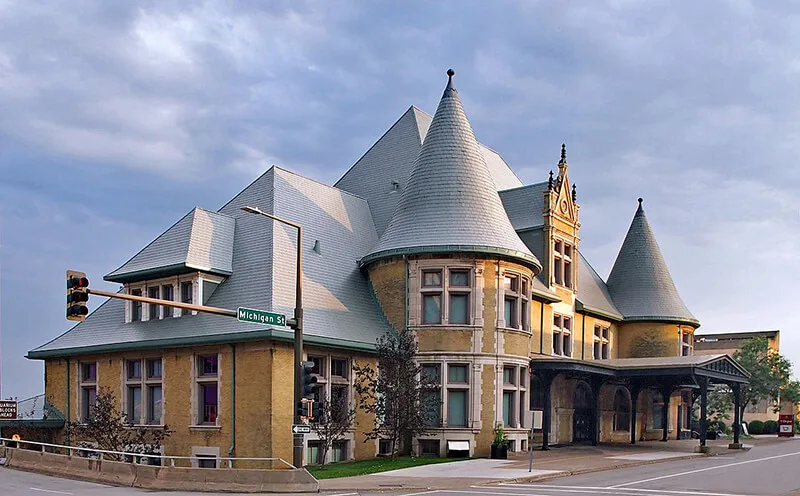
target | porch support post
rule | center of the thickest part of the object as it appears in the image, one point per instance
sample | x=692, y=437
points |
x=597, y=384
x=703, y=412
x=547, y=382
x=634, y=390
x=737, y=413
x=665, y=394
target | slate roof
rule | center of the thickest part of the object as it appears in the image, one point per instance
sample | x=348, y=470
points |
x=524, y=205
x=640, y=283
x=450, y=203
x=391, y=159
x=201, y=240
x=338, y=304
x=593, y=296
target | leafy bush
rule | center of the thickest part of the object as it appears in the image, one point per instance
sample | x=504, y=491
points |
x=719, y=425
x=770, y=427
x=755, y=427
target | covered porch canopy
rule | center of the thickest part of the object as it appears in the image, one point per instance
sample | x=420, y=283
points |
x=663, y=374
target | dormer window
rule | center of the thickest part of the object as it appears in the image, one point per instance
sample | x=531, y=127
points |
x=562, y=264
x=136, y=306
x=186, y=296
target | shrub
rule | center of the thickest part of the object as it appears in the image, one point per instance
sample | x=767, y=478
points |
x=720, y=424
x=770, y=427
x=755, y=427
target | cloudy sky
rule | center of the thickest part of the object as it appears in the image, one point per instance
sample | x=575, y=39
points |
x=116, y=118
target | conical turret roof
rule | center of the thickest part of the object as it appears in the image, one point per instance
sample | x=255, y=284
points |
x=640, y=283
x=450, y=204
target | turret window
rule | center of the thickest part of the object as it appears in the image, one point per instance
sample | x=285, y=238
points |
x=562, y=264
x=446, y=299
x=516, y=302
x=687, y=344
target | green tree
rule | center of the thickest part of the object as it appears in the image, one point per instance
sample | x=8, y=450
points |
x=395, y=393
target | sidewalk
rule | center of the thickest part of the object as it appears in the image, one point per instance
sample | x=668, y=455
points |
x=557, y=462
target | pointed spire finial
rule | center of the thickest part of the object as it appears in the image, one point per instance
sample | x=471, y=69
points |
x=563, y=153
x=574, y=193
x=640, y=209
x=450, y=74
x=550, y=182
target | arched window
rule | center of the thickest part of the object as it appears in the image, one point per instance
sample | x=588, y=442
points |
x=622, y=411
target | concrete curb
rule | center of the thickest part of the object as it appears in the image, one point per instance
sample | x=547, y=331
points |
x=569, y=473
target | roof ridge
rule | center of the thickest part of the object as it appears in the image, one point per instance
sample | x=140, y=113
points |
x=523, y=186
x=374, y=144
x=319, y=182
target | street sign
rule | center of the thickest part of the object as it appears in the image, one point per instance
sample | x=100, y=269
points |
x=301, y=429
x=260, y=317
x=786, y=425
x=8, y=410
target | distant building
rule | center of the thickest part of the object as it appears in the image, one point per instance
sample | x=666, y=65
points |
x=429, y=232
x=729, y=343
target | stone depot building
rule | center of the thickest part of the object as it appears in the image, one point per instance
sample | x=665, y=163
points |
x=430, y=232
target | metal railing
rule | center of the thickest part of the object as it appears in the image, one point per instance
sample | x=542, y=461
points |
x=124, y=456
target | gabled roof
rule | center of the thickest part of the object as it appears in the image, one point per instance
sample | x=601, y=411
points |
x=525, y=205
x=593, y=296
x=382, y=173
x=200, y=241
x=338, y=304
x=640, y=283
x=450, y=203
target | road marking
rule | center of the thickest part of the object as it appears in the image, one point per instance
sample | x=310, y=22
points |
x=344, y=494
x=593, y=489
x=48, y=491
x=417, y=494
x=704, y=470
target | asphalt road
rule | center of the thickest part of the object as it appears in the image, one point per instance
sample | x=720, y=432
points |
x=768, y=470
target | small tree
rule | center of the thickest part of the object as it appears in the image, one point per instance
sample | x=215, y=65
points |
x=336, y=418
x=394, y=393
x=108, y=429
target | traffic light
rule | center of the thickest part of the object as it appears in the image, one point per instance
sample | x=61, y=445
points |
x=308, y=381
x=77, y=295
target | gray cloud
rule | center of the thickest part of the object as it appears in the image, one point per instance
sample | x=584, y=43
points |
x=164, y=105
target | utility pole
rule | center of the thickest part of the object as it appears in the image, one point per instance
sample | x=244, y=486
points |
x=297, y=325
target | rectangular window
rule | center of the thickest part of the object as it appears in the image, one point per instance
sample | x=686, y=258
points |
x=562, y=264
x=168, y=293
x=457, y=374
x=432, y=395
x=154, y=310
x=459, y=278
x=206, y=461
x=509, y=375
x=432, y=309
x=207, y=389
x=89, y=372
x=562, y=335
x=339, y=367
x=134, y=414
x=319, y=365
x=186, y=296
x=154, y=404
x=510, y=312
x=601, y=342
x=134, y=369
x=154, y=369
x=516, y=307
x=88, y=401
x=686, y=343
x=432, y=279
x=459, y=308
x=508, y=408
x=136, y=306
x=457, y=408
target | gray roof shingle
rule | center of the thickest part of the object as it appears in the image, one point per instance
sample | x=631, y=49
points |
x=450, y=203
x=640, y=283
x=339, y=307
x=201, y=240
x=390, y=160
x=525, y=205
x=593, y=293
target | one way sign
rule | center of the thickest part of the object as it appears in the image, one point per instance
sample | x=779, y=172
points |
x=301, y=429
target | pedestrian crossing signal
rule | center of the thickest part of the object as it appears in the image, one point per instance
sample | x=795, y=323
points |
x=77, y=296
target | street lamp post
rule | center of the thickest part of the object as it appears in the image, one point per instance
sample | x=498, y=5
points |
x=297, y=325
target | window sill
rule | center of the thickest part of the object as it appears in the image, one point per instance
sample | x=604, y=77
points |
x=515, y=329
x=146, y=426
x=205, y=427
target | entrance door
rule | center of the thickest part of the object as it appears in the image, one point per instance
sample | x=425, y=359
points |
x=582, y=420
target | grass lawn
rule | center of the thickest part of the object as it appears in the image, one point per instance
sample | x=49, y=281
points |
x=364, y=467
